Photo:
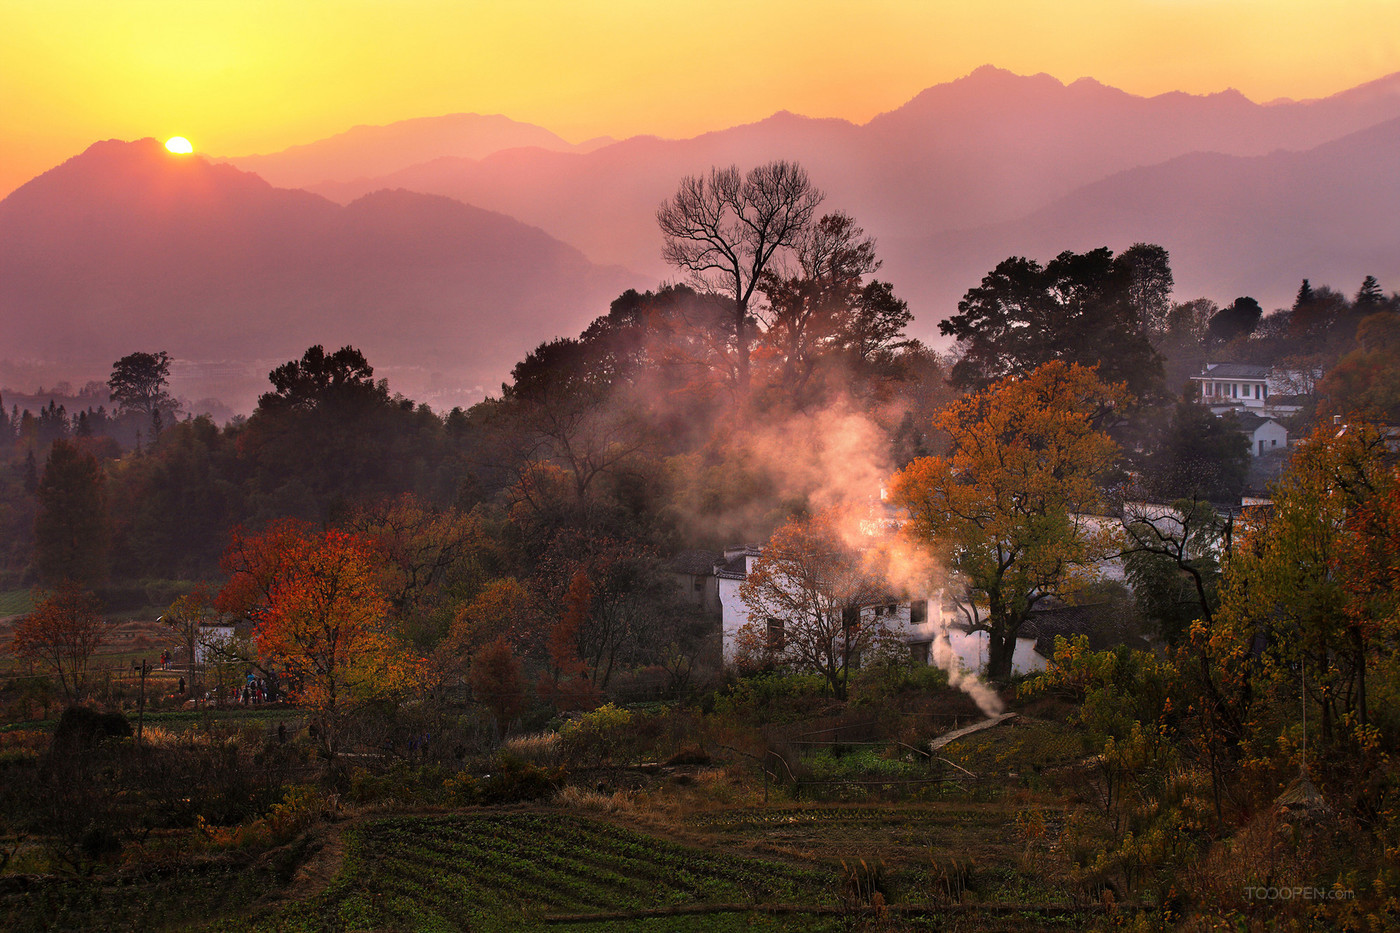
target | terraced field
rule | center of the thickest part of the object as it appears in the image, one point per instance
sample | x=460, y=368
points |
x=512, y=871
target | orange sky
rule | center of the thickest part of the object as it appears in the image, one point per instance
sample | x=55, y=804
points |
x=260, y=75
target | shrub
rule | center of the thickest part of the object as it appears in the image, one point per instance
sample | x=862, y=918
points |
x=598, y=736
x=298, y=809
x=515, y=781
x=764, y=697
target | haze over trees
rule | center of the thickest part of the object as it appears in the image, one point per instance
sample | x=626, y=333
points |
x=140, y=383
x=804, y=596
x=726, y=230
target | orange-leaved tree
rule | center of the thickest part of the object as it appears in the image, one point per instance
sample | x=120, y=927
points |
x=1006, y=506
x=321, y=616
x=498, y=682
x=62, y=632
x=566, y=683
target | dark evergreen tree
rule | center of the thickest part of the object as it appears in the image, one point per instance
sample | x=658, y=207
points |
x=1369, y=297
x=1080, y=308
x=1199, y=456
x=70, y=528
x=1237, y=320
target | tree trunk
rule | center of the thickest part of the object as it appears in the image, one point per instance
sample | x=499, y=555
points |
x=1001, y=650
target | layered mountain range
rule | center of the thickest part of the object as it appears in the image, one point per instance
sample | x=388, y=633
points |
x=128, y=247
x=449, y=245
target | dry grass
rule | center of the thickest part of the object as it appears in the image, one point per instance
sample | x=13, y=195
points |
x=580, y=800
x=537, y=748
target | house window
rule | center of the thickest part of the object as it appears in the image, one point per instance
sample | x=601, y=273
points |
x=918, y=613
x=699, y=584
x=919, y=653
x=850, y=617
x=1257, y=391
x=777, y=638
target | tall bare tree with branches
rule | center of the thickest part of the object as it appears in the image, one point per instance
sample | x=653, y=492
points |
x=727, y=229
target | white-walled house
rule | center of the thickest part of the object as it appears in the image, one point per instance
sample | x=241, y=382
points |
x=929, y=626
x=1263, y=433
x=1246, y=387
x=1231, y=386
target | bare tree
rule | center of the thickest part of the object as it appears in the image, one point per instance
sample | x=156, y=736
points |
x=804, y=597
x=727, y=229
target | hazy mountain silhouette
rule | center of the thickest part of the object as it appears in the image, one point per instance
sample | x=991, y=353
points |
x=1234, y=225
x=127, y=247
x=984, y=149
x=366, y=151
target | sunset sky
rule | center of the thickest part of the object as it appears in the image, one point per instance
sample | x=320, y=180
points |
x=260, y=75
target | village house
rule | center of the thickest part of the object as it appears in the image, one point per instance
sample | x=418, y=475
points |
x=1233, y=387
x=1263, y=433
x=931, y=626
x=1257, y=396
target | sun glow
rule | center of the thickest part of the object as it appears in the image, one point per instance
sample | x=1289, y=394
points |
x=179, y=144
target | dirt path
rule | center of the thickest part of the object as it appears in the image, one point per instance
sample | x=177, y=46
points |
x=956, y=734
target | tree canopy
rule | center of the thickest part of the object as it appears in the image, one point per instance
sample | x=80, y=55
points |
x=139, y=384
x=726, y=229
x=1081, y=308
x=1004, y=508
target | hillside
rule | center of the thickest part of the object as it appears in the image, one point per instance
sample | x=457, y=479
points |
x=128, y=247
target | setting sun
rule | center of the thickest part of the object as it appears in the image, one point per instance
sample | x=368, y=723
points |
x=179, y=144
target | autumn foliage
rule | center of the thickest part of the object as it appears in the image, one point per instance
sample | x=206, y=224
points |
x=321, y=617
x=62, y=633
x=565, y=683
x=1005, y=504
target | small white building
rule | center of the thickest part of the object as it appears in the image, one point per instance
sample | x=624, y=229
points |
x=1263, y=433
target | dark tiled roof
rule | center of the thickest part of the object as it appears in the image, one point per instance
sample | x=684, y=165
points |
x=1249, y=421
x=1102, y=622
x=700, y=563
x=734, y=568
x=1235, y=371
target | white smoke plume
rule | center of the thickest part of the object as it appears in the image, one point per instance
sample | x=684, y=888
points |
x=838, y=459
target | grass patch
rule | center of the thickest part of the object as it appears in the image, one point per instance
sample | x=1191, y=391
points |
x=860, y=763
x=1020, y=746
x=16, y=602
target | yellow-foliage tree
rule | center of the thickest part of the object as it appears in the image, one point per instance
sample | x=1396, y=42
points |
x=1307, y=576
x=1005, y=508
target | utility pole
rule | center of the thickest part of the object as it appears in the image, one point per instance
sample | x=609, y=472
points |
x=141, y=703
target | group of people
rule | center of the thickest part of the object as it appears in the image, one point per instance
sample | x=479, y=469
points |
x=253, y=691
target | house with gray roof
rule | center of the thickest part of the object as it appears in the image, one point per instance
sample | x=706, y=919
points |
x=1265, y=435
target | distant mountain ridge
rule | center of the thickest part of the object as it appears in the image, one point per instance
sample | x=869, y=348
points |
x=127, y=247
x=980, y=151
x=446, y=271
x=1234, y=225
x=366, y=151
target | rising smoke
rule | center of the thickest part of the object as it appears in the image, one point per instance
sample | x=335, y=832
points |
x=837, y=460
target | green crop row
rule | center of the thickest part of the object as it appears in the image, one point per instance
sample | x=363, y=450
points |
x=508, y=871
